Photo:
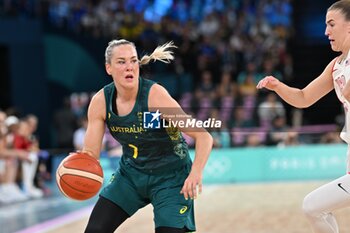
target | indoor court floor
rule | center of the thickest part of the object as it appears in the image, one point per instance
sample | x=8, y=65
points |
x=235, y=208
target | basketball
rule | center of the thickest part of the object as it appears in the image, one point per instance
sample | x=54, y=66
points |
x=79, y=176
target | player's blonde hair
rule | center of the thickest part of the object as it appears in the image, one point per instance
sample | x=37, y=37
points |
x=162, y=53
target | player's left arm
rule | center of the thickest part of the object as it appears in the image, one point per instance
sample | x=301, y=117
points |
x=159, y=98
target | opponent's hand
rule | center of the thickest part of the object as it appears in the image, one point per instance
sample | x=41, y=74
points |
x=269, y=82
x=193, y=185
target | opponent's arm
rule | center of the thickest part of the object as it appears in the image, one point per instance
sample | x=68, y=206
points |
x=160, y=98
x=301, y=98
x=96, y=125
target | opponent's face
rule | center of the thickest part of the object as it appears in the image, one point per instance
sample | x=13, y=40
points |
x=338, y=31
x=124, y=66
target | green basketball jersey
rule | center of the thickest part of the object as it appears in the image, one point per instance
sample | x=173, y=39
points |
x=149, y=150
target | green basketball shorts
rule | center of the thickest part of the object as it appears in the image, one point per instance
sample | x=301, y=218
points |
x=132, y=189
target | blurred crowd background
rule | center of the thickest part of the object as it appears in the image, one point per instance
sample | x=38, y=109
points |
x=52, y=62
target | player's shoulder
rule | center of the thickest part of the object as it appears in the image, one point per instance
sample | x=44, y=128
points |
x=335, y=60
x=108, y=87
x=332, y=64
x=97, y=106
x=99, y=97
x=158, y=90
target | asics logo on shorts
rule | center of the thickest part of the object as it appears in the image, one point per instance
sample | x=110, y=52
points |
x=183, y=210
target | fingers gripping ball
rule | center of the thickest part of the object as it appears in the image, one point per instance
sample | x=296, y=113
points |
x=79, y=176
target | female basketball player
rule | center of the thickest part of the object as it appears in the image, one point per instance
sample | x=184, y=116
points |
x=155, y=166
x=319, y=204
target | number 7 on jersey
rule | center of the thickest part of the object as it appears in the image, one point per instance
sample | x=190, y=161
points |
x=136, y=152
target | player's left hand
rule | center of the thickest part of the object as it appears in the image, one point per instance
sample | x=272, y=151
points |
x=193, y=184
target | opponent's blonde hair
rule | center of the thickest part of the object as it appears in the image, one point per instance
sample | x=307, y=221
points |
x=162, y=53
x=343, y=6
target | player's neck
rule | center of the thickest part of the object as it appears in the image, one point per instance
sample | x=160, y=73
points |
x=343, y=56
x=127, y=94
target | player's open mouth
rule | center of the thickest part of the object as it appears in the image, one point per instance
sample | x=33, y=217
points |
x=129, y=77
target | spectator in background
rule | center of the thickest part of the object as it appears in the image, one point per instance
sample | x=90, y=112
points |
x=269, y=109
x=278, y=131
x=247, y=79
x=240, y=120
x=248, y=87
x=79, y=134
x=222, y=138
x=226, y=87
x=287, y=68
x=269, y=68
x=209, y=25
x=22, y=140
x=250, y=72
x=44, y=165
x=206, y=88
x=291, y=138
x=65, y=124
x=221, y=135
x=331, y=138
x=205, y=96
x=227, y=95
x=3, y=127
x=9, y=190
x=79, y=103
x=3, y=132
x=238, y=124
x=254, y=139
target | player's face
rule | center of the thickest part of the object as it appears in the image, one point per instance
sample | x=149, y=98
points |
x=338, y=31
x=124, y=66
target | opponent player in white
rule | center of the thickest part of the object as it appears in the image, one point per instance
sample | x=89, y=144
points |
x=319, y=204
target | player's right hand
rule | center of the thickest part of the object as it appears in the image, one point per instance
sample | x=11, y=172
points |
x=193, y=184
x=269, y=82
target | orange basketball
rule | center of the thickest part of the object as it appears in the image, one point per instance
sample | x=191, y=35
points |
x=79, y=176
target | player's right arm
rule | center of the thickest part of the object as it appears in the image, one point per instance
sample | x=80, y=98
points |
x=302, y=98
x=96, y=125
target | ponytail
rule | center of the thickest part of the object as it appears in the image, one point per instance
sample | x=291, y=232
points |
x=161, y=53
